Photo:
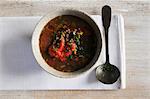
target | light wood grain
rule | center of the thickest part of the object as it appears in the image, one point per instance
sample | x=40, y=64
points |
x=137, y=38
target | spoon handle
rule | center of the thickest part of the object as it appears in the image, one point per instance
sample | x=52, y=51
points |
x=106, y=18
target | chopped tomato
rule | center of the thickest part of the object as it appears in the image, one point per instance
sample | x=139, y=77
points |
x=51, y=51
x=73, y=47
x=62, y=59
x=75, y=52
x=58, y=53
x=68, y=53
x=62, y=44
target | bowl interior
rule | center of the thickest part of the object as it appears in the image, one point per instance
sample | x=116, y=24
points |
x=39, y=28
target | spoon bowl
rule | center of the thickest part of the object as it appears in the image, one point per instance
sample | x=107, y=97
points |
x=107, y=73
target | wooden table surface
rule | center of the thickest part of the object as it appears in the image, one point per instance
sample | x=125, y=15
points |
x=137, y=39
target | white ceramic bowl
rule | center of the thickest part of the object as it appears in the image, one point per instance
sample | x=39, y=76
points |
x=36, y=35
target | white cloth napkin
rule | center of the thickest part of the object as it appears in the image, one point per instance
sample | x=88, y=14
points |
x=20, y=71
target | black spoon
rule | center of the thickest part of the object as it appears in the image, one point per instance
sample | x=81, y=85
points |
x=107, y=73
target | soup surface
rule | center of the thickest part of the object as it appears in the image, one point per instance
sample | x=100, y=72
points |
x=67, y=43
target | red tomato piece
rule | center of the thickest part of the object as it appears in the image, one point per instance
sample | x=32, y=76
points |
x=51, y=52
x=73, y=47
x=68, y=53
x=62, y=44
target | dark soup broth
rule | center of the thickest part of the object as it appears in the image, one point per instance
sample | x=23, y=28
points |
x=67, y=43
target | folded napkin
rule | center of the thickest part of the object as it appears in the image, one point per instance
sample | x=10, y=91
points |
x=20, y=71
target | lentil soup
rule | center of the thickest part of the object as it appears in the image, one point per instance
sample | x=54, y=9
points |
x=67, y=43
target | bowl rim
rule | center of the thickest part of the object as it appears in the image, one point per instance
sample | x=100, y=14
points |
x=36, y=50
